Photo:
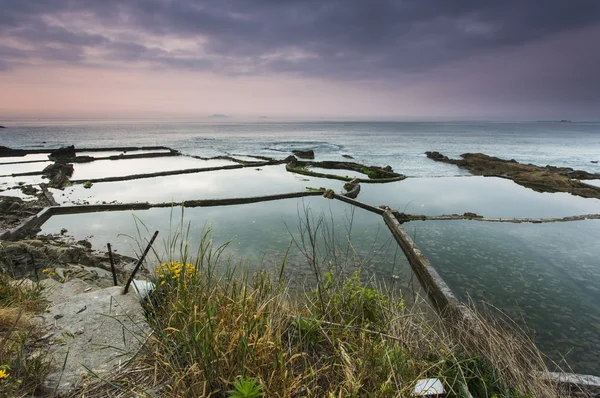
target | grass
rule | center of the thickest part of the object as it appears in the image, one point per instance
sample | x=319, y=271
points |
x=23, y=364
x=221, y=333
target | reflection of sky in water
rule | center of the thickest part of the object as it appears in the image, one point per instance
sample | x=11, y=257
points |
x=8, y=169
x=33, y=156
x=244, y=182
x=6, y=182
x=102, y=154
x=548, y=272
x=261, y=232
x=487, y=196
x=123, y=167
x=595, y=183
x=339, y=172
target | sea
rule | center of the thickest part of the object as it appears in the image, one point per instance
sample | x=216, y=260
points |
x=399, y=144
x=545, y=276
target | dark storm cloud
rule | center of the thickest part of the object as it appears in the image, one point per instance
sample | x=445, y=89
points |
x=322, y=38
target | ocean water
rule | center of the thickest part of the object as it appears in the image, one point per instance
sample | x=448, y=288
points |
x=548, y=275
x=400, y=145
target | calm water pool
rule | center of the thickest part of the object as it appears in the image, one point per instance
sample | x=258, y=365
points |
x=549, y=274
x=259, y=232
x=246, y=182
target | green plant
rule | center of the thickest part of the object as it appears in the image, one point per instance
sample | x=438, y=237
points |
x=88, y=184
x=246, y=388
x=23, y=365
x=212, y=322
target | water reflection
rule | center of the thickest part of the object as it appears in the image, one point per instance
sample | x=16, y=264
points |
x=487, y=196
x=260, y=233
x=123, y=167
x=246, y=182
x=8, y=169
x=26, y=158
x=550, y=273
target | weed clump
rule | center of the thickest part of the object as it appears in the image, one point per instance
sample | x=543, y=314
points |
x=23, y=364
x=221, y=333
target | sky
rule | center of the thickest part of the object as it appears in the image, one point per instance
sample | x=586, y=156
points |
x=348, y=59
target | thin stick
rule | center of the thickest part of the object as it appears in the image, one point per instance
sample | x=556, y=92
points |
x=112, y=264
x=139, y=263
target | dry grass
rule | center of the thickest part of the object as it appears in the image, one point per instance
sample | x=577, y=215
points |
x=23, y=365
x=213, y=329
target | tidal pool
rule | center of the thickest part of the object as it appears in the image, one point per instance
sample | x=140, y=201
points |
x=25, y=158
x=124, y=167
x=259, y=232
x=102, y=154
x=245, y=182
x=595, y=183
x=339, y=172
x=546, y=274
x=486, y=196
x=8, y=169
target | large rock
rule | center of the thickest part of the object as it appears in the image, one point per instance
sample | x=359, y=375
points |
x=310, y=154
x=541, y=179
x=89, y=328
x=64, y=155
x=59, y=174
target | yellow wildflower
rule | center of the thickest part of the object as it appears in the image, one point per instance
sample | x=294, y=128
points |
x=3, y=374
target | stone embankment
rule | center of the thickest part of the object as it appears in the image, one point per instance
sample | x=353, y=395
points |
x=374, y=174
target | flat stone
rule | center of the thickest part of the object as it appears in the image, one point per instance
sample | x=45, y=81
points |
x=101, y=338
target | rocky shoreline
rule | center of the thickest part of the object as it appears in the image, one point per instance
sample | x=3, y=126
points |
x=79, y=279
x=540, y=179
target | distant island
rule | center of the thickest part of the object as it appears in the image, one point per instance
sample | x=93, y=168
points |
x=218, y=116
x=555, y=121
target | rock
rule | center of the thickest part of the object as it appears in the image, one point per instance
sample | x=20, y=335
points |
x=347, y=157
x=541, y=179
x=84, y=243
x=310, y=154
x=329, y=194
x=15, y=206
x=436, y=156
x=29, y=190
x=593, y=161
x=83, y=159
x=111, y=320
x=59, y=174
x=388, y=169
x=472, y=215
x=56, y=168
x=64, y=155
x=2, y=127
x=352, y=188
x=290, y=158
